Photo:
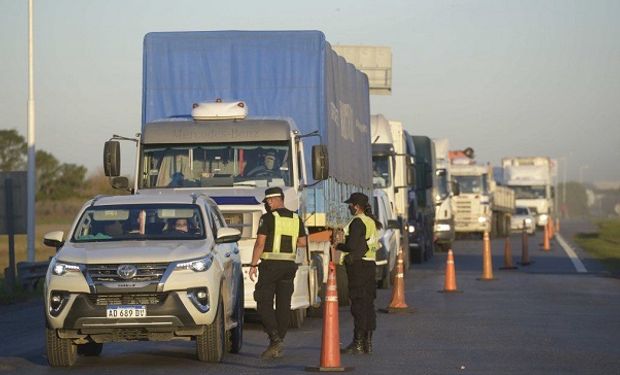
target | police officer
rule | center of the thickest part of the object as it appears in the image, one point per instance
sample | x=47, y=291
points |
x=361, y=244
x=280, y=232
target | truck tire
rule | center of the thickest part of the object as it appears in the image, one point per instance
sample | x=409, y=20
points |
x=90, y=349
x=60, y=352
x=297, y=318
x=211, y=344
x=317, y=262
x=234, y=337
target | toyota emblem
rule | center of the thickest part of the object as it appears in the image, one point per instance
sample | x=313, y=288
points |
x=127, y=271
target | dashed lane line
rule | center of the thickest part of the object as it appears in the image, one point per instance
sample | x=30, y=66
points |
x=571, y=254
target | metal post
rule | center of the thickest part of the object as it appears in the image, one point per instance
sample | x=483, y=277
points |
x=8, y=193
x=31, y=149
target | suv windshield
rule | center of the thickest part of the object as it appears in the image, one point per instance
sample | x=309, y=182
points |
x=140, y=222
x=211, y=165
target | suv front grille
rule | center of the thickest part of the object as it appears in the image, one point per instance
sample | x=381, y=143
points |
x=127, y=299
x=108, y=272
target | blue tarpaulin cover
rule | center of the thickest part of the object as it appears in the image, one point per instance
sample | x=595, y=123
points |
x=292, y=74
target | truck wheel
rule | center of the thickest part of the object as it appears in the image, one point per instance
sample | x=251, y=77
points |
x=60, y=352
x=234, y=337
x=317, y=262
x=91, y=349
x=297, y=318
x=210, y=345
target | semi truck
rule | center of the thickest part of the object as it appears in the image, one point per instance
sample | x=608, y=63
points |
x=393, y=172
x=443, y=193
x=531, y=178
x=425, y=181
x=231, y=113
x=482, y=205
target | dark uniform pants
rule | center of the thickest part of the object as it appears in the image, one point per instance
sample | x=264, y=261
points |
x=362, y=292
x=275, y=277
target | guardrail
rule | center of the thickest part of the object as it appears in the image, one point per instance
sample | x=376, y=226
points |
x=29, y=273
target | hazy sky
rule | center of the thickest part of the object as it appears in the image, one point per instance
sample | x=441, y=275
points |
x=504, y=77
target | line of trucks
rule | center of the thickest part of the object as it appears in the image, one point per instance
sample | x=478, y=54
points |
x=216, y=105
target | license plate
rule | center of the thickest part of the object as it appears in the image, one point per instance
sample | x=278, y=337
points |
x=126, y=311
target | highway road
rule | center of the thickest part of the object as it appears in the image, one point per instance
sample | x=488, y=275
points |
x=542, y=319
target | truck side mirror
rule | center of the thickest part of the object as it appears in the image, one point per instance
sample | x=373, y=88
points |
x=410, y=172
x=112, y=158
x=320, y=162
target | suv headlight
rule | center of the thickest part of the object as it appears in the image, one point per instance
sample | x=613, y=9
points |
x=60, y=268
x=197, y=265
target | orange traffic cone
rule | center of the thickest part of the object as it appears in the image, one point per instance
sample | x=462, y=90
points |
x=330, y=344
x=398, y=303
x=450, y=284
x=546, y=246
x=525, y=254
x=487, y=261
x=551, y=228
x=508, y=255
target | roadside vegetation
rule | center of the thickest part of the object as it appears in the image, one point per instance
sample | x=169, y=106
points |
x=604, y=244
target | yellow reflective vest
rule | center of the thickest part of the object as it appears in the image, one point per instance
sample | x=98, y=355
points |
x=372, y=237
x=283, y=226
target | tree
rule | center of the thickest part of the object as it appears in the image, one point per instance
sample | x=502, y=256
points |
x=13, y=150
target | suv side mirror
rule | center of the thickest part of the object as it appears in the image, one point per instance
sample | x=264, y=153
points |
x=54, y=239
x=320, y=162
x=227, y=235
x=410, y=171
x=112, y=158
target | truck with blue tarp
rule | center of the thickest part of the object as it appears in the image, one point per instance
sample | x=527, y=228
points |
x=231, y=113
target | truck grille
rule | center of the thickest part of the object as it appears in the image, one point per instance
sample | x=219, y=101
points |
x=127, y=299
x=108, y=272
x=463, y=211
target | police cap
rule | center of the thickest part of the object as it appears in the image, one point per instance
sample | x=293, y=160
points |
x=359, y=199
x=273, y=192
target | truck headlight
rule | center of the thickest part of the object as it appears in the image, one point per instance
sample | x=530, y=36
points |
x=411, y=229
x=482, y=219
x=543, y=217
x=442, y=227
x=528, y=220
x=60, y=268
x=197, y=265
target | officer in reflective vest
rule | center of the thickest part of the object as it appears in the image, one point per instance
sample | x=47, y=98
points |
x=361, y=244
x=280, y=232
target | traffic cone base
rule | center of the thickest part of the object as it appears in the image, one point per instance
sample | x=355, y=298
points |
x=398, y=303
x=330, y=343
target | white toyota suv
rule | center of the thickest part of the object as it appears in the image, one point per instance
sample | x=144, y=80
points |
x=144, y=267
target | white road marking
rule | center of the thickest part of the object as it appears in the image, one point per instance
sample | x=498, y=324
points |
x=571, y=254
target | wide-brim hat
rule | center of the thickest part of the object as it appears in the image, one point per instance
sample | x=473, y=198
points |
x=359, y=199
x=273, y=192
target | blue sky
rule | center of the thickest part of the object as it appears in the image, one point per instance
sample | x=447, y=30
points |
x=504, y=77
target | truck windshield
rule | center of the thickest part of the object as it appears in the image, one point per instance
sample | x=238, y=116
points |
x=442, y=185
x=140, y=222
x=529, y=192
x=211, y=165
x=471, y=184
x=381, y=177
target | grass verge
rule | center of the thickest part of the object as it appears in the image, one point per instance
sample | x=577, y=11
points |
x=604, y=244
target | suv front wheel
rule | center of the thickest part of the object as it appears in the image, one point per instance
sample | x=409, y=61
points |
x=211, y=344
x=60, y=352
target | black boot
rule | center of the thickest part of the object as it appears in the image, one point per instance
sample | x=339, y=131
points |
x=274, y=350
x=368, y=343
x=357, y=345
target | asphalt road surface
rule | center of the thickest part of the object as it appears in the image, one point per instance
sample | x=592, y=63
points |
x=542, y=319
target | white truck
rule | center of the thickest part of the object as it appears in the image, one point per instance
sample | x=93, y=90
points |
x=279, y=118
x=482, y=205
x=531, y=179
x=443, y=192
